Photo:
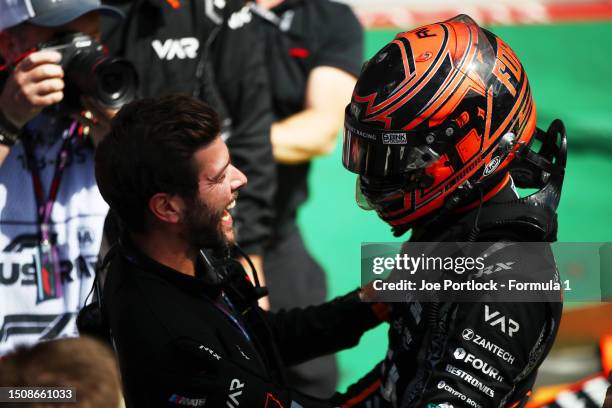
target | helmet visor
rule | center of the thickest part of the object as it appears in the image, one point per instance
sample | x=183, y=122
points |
x=375, y=152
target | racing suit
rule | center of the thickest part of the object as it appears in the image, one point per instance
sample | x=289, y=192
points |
x=483, y=354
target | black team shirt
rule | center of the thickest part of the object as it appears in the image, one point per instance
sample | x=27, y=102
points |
x=181, y=340
x=304, y=35
x=197, y=48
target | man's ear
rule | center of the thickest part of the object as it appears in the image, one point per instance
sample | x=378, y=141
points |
x=167, y=207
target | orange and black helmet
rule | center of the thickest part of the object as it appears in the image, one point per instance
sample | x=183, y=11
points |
x=438, y=110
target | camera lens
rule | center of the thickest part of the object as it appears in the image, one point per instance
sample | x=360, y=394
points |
x=115, y=82
x=112, y=82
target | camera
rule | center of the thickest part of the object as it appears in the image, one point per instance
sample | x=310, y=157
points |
x=88, y=70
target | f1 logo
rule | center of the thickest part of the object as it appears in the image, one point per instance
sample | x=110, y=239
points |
x=494, y=320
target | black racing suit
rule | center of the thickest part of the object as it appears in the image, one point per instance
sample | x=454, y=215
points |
x=483, y=354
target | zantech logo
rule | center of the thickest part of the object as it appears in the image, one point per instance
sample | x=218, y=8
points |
x=235, y=391
x=485, y=368
x=180, y=48
x=469, y=335
x=496, y=318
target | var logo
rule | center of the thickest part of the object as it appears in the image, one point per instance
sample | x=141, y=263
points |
x=235, y=391
x=496, y=318
x=180, y=48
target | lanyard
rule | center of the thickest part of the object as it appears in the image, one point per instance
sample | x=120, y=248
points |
x=47, y=266
x=230, y=315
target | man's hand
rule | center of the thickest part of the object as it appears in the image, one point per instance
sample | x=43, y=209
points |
x=35, y=83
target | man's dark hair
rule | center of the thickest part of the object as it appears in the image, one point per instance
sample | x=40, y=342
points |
x=149, y=150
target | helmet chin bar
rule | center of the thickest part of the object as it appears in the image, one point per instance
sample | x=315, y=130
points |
x=372, y=194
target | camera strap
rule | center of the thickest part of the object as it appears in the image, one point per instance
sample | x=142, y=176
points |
x=10, y=65
x=48, y=276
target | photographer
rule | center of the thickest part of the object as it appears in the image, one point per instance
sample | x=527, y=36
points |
x=51, y=213
x=183, y=317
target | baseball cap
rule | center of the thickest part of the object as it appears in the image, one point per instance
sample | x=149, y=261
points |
x=49, y=13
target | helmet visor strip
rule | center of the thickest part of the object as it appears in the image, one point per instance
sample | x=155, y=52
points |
x=374, y=152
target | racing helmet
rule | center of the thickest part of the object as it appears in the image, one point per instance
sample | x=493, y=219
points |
x=440, y=110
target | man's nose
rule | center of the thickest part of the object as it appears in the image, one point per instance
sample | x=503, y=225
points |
x=238, y=179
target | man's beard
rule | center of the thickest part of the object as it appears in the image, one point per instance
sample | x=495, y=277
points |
x=203, y=227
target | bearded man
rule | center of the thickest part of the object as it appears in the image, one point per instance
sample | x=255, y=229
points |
x=182, y=314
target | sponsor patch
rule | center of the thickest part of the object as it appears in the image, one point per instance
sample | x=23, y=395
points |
x=180, y=48
x=394, y=138
x=456, y=394
x=186, y=402
x=470, y=379
x=491, y=166
x=469, y=335
x=497, y=267
x=497, y=319
x=236, y=388
x=210, y=351
x=478, y=364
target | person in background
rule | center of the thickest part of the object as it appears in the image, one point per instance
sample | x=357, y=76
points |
x=51, y=213
x=209, y=50
x=314, y=50
x=82, y=366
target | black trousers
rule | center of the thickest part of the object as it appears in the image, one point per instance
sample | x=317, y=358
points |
x=295, y=279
